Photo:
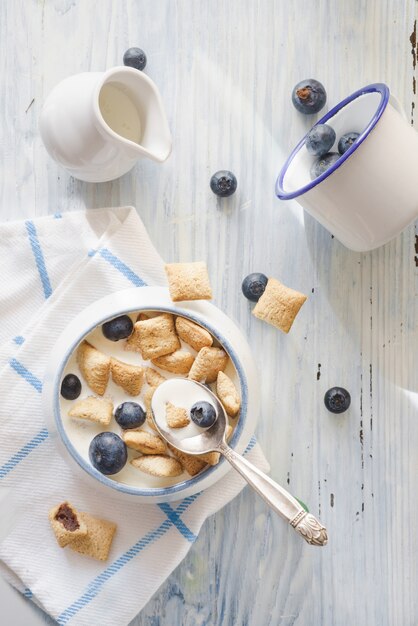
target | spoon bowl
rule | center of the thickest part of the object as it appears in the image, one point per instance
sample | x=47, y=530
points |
x=207, y=440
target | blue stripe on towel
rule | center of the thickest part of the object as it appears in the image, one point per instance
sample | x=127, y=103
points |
x=27, y=593
x=95, y=586
x=122, y=267
x=26, y=374
x=174, y=517
x=19, y=340
x=23, y=452
x=39, y=257
x=186, y=502
x=251, y=445
x=37, y=439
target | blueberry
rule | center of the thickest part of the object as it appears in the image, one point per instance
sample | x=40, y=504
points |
x=309, y=96
x=323, y=163
x=320, y=139
x=107, y=453
x=346, y=141
x=135, y=57
x=223, y=183
x=70, y=387
x=203, y=414
x=337, y=400
x=118, y=328
x=130, y=415
x=253, y=286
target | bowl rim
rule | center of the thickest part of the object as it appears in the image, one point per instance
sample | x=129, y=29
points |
x=372, y=88
x=153, y=491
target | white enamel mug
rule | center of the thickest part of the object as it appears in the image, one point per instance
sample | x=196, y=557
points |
x=371, y=193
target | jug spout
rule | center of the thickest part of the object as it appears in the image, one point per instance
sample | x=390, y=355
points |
x=129, y=110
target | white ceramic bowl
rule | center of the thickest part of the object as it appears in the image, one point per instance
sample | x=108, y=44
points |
x=128, y=301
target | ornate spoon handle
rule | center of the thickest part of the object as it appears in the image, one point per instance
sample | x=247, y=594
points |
x=278, y=498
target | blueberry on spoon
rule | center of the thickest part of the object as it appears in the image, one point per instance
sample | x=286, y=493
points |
x=203, y=414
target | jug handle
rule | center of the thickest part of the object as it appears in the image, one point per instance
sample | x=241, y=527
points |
x=398, y=106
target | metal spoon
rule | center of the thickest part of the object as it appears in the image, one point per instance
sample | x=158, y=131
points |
x=213, y=440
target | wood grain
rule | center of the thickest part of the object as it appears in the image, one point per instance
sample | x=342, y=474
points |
x=225, y=70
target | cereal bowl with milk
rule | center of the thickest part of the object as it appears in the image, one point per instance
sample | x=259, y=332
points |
x=83, y=352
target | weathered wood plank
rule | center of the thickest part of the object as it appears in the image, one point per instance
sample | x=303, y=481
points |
x=225, y=71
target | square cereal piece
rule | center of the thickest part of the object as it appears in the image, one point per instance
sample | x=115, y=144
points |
x=279, y=305
x=153, y=377
x=192, y=464
x=154, y=337
x=66, y=523
x=147, y=401
x=227, y=394
x=158, y=465
x=98, y=540
x=99, y=410
x=207, y=364
x=210, y=458
x=176, y=416
x=193, y=334
x=142, y=316
x=132, y=342
x=129, y=377
x=144, y=442
x=188, y=281
x=178, y=362
x=94, y=366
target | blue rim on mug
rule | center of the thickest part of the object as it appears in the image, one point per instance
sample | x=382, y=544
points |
x=373, y=88
x=152, y=491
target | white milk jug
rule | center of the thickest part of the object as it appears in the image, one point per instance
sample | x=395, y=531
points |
x=98, y=124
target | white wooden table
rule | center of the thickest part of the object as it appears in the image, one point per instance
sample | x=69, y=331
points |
x=225, y=70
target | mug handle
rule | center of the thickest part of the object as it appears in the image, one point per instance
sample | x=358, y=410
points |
x=398, y=106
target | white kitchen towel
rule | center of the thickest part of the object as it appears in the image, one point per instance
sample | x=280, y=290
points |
x=51, y=268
